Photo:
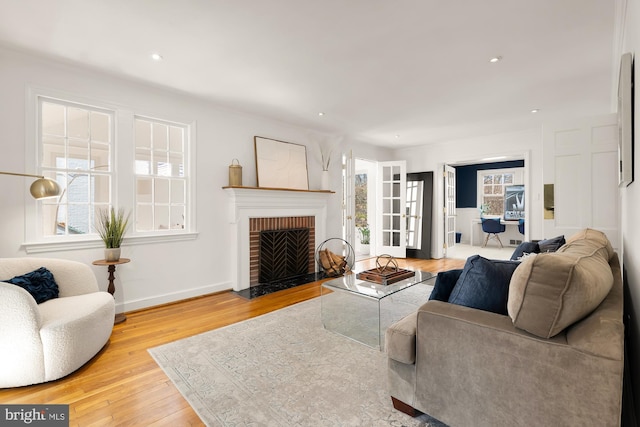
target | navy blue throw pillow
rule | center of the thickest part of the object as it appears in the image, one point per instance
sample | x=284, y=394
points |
x=525, y=248
x=551, y=245
x=484, y=284
x=39, y=283
x=445, y=282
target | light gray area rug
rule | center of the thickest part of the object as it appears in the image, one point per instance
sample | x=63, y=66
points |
x=282, y=369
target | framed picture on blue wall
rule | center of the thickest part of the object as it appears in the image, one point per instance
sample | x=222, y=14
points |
x=514, y=202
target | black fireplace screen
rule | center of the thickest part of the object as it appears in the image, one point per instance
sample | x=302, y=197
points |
x=283, y=254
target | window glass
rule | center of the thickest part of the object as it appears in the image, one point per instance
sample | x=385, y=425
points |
x=492, y=191
x=161, y=183
x=75, y=145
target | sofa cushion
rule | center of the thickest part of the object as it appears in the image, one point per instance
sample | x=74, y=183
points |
x=525, y=248
x=551, y=291
x=589, y=236
x=39, y=283
x=484, y=284
x=445, y=281
x=551, y=245
x=400, y=339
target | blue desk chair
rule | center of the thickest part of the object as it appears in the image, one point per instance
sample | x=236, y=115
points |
x=492, y=227
x=521, y=225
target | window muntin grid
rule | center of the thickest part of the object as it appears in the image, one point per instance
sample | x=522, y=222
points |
x=75, y=146
x=161, y=181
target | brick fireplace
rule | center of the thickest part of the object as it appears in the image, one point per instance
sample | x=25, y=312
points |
x=258, y=225
x=251, y=209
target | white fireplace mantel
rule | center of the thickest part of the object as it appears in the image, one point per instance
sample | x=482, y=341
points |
x=251, y=202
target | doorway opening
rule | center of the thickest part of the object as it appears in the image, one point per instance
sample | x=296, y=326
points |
x=419, y=214
x=481, y=190
x=365, y=206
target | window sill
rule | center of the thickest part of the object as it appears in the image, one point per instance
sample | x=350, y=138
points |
x=70, y=245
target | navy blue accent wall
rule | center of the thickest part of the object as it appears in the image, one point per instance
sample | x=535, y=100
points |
x=467, y=177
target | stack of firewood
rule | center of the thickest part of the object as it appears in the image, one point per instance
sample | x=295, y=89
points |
x=332, y=264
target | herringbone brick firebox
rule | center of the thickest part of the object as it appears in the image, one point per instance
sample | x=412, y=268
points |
x=256, y=225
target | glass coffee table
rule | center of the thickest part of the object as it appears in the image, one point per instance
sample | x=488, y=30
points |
x=363, y=310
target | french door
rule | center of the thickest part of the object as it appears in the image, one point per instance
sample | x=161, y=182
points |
x=449, y=211
x=348, y=198
x=391, y=202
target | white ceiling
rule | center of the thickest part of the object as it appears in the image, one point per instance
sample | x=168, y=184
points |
x=418, y=69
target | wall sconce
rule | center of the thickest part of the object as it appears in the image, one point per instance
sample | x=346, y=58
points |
x=42, y=188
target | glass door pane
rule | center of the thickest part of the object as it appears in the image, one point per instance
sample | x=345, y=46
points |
x=392, y=200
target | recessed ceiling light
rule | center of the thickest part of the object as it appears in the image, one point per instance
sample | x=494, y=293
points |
x=495, y=59
x=321, y=114
x=397, y=136
x=535, y=110
x=156, y=57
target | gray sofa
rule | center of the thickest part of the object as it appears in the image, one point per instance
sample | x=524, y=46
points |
x=556, y=359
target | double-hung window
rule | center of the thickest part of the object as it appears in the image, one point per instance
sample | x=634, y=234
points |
x=76, y=149
x=105, y=156
x=161, y=181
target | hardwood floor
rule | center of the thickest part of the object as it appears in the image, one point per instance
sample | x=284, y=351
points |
x=123, y=386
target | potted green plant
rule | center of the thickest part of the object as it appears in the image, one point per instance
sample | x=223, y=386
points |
x=365, y=234
x=362, y=245
x=483, y=208
x=111, y=227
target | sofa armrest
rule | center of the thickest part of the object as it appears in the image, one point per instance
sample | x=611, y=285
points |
x=606, y=320
x=477, y=360
x=19, y=314
x=400, y=339
x=21, y=354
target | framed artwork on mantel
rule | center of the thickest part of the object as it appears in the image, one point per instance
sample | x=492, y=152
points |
x=281, y=164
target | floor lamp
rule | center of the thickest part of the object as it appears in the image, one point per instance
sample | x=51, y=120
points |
x=42, y=188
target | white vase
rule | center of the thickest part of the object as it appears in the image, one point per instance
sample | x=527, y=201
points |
x=112, y=254
x=324, y=180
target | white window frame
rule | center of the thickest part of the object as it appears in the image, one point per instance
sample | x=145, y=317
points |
x=518, y=179
x=53, y=171
x=123, y=179
x=151, y=175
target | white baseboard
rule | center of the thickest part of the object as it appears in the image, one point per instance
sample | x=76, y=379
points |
x=171, y=297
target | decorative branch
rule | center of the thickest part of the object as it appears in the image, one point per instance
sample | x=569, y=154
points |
x=326, y=147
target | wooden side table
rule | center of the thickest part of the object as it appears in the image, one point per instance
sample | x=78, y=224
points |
x=111, y=268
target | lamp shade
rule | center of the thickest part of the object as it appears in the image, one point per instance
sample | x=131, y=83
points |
x=44, y=188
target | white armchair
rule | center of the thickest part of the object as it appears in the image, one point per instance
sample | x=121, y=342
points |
x=44, y=342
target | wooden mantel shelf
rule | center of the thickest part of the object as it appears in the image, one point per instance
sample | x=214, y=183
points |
x=237, y=187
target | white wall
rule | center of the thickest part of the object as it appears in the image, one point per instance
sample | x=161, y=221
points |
x=158, y=273
x=630, y=208
x=581, y=159
x=524, y=144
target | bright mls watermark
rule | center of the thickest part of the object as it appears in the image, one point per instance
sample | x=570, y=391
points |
x=34, y=415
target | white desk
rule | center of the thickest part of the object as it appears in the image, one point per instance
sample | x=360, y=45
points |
x=477, y=222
